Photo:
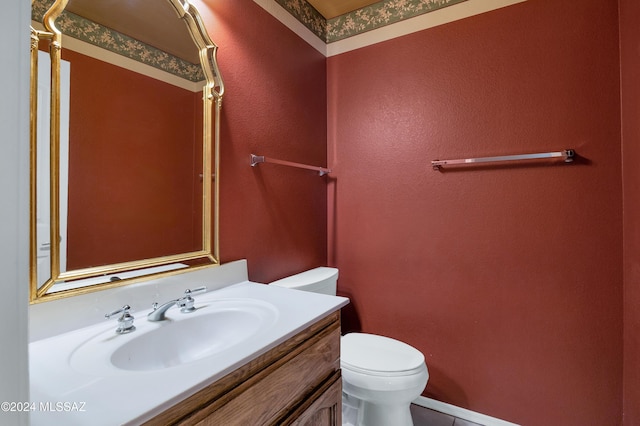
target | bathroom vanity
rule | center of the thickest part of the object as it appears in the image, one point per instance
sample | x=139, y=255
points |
x=250, y=354
x=296, y=383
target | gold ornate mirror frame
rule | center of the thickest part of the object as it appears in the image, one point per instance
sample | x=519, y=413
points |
x=213, y=91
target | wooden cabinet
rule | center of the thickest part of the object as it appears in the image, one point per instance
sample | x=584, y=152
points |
x=323, y=409
x=296, y=383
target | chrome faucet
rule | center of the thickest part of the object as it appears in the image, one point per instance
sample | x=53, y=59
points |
x=185, y=303
x=125, y=321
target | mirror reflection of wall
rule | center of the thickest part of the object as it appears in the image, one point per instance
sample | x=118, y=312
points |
x=133, y=165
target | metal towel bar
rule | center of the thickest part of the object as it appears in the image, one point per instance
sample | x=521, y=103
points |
x=257, y=159
x=567, y=154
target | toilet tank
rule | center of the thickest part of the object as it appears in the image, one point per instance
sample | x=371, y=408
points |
x=319, y=280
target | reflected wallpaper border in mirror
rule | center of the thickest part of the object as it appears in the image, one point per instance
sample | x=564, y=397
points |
x=91, y=32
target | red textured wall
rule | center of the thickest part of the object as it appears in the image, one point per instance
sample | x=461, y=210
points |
x=275, y=105
x=507, y=278
x=630, y=65
x=118, y=210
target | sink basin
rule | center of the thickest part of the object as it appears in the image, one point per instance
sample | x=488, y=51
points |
x=216, y=327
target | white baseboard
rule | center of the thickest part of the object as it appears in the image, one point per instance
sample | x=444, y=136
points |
x=461, y=413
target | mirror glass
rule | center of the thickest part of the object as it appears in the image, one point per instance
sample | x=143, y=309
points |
x=133, y=102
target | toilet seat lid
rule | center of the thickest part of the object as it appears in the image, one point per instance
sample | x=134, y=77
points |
x=373, y=354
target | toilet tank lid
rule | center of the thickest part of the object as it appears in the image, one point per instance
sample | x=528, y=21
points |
x=308, y=278
x=370, y=352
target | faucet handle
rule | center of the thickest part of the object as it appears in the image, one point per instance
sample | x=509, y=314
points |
x=125, y=322
x=187, y=302
x=202, y=289
x=124, y=310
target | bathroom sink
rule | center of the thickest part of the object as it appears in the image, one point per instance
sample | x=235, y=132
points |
x=215, y=328
x=147, y=371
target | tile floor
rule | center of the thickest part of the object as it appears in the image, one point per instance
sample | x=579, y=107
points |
x=426, y=417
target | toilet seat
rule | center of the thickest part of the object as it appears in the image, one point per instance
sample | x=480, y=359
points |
x=379, y=356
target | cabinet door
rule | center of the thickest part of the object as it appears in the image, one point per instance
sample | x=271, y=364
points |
x=326, y=408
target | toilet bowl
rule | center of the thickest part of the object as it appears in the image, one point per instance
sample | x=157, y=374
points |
x=381, y=376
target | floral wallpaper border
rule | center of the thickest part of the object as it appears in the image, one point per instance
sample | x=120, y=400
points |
x=106, y=38
x=377, y=15
x=307, y=15
x=368, y=18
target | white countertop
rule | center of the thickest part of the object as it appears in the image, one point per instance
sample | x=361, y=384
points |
x=61, y=394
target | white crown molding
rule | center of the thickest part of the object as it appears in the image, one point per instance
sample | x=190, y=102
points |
x=418, y=23
x=289, y=21
x=128, y=64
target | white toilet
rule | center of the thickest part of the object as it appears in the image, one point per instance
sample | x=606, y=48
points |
x=380, y=376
